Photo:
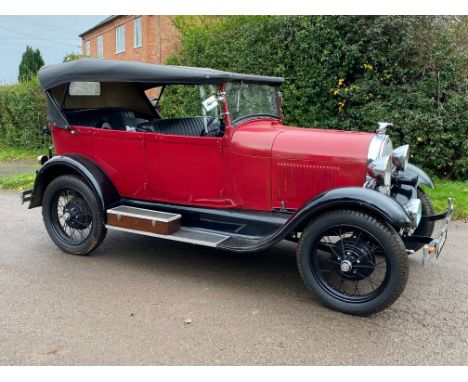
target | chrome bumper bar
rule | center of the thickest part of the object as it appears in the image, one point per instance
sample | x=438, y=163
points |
x=432, y=250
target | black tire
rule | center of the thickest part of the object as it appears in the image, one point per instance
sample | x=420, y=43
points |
x=425, y=228
x=70, y=196
x=389, y=250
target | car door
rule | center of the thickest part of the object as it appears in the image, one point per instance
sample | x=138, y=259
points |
x=186, y=169
x=121, y=155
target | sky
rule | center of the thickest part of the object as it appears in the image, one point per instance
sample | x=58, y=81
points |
x=54, y=36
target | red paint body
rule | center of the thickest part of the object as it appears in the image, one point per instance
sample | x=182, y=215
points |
x=257, y=165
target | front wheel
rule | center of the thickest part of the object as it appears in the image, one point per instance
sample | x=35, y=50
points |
x=352, y=262
x=72, y=215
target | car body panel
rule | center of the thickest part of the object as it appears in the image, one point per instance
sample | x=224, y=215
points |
x=185, y=169
x=120, y=154
x=258, y=165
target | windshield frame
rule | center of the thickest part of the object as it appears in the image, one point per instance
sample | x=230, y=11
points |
x=253, y=116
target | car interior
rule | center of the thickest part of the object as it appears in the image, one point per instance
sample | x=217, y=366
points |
x=128, y=120
x=125, y=107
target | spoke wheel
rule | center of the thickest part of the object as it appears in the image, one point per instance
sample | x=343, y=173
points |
x=352, y=262
x=73, y=215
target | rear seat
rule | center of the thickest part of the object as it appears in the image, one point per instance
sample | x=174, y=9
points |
x=115, y=119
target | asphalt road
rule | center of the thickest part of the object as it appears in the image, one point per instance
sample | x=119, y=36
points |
x=127, y=304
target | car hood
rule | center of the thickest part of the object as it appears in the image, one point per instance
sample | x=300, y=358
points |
x=269, y=139
x=321, y=145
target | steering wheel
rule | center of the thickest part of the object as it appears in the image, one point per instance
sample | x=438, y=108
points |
x=207, y=131
x=103, y=125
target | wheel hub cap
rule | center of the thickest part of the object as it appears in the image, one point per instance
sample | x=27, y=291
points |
x=346, y=266
x=75, y=214
x=66, y=216
x=353, y=259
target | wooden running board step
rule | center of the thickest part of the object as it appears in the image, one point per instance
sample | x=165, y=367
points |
x=159, y=224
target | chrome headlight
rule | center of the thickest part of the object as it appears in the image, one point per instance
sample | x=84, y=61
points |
x=379, y=161
x=381, y=170
x=400, y=157
x=379, y=146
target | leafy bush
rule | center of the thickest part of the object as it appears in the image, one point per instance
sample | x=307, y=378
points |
x=23, y=111
x=349, y=72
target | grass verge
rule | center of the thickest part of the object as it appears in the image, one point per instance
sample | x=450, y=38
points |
x=458, y=190
x=17, y=182
x=9, y=154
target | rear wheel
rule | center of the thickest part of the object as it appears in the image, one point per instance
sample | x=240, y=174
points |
x=72, y=215
x=352, y=262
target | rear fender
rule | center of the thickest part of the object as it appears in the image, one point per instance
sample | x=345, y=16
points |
x=77, y=165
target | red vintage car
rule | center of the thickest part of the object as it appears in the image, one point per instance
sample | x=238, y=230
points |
x=202, y=156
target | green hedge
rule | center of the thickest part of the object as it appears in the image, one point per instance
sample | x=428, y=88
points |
x=349, y=72
x=344, y=72
x=23, y=112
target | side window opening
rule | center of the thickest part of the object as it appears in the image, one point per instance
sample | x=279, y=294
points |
x=182, y=111
x=112, y=106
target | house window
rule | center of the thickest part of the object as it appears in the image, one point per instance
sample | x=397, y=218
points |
x=120, y=39
x=137, y=33
x=100, y=53
x=88, y=48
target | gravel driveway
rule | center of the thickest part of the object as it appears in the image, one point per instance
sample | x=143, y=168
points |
x=127, y=304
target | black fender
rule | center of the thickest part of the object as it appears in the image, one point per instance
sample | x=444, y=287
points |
x=78, y=165
x=363, y=199
x=412, y=171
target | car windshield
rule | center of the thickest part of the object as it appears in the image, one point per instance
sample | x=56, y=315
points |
x=251, y=100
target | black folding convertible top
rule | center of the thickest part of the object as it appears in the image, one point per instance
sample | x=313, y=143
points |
x=90, y=69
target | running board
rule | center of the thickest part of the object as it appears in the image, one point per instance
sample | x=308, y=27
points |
x=159, y=224
x=184, y=234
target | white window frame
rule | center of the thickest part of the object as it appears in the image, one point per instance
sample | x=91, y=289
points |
x=120, y=42
x=88, y=48
x=137, y=33
x=100, y=47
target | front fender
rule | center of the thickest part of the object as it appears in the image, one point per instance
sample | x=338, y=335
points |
x=412, y=171
x=78, y=165
x=363, y=199
x=360, y=198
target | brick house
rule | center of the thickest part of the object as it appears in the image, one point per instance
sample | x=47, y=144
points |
x=146, y=38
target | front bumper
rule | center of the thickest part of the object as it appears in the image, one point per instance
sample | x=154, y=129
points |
x=433, y=249
x=433, y=246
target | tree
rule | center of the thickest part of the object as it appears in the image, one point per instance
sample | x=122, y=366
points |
x=30, y=64
x=73, y=56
